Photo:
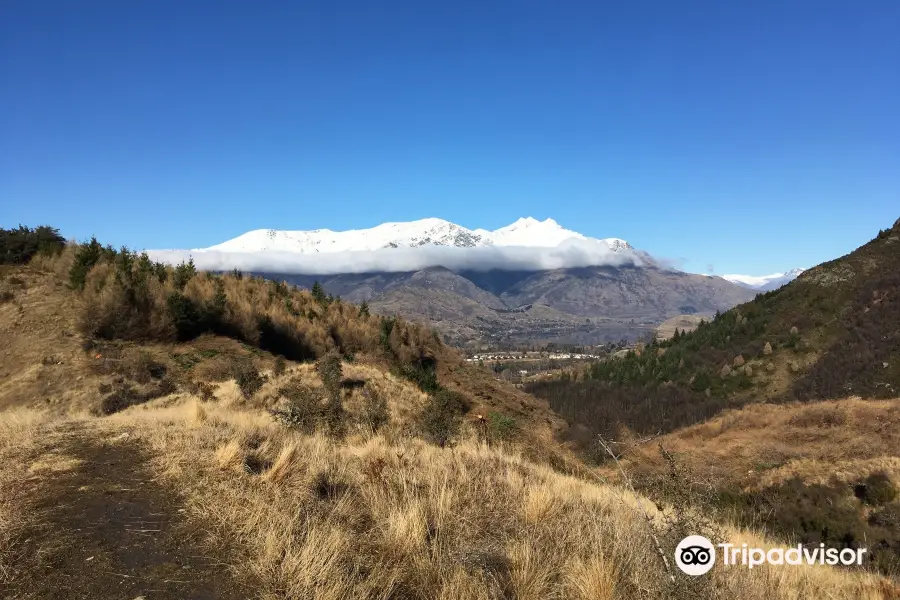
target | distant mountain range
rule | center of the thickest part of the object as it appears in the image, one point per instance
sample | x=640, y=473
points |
x=526, y=232
x=531, y=281
x=766, y=282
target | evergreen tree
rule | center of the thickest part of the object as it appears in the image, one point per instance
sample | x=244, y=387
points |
x=184, y=273
x=86, y=257
x=18, y=246
x=318, y=294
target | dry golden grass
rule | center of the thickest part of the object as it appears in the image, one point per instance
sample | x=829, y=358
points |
x=832, y=442
x=376, y=517
x=21, y=435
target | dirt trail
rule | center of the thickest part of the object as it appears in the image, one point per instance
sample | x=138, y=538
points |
x=106, y=529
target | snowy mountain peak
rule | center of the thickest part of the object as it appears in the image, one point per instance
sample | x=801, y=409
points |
x=525, y=232
x=764, y=283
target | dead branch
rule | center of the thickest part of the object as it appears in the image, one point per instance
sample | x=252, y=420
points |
x=627, y=479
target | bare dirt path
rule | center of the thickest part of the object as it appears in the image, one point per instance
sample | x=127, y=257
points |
x=106, y=529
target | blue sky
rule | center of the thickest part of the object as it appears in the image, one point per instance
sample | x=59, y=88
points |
x=749, y=137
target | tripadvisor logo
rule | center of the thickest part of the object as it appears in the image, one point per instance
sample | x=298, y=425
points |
x=696, y=555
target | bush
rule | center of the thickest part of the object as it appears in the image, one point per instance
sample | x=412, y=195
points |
x=184, y=273
x=442, y=416
x=502, y=426
x=126, y=395
x=18, y=246
x=304, y=410
x=423, y=373
x=86, y=256
x=331, y=373
x=248, y=379
x=375, y=413
x=386, y=326
x=812, y=514
x=280, y=366
x=876, y=489
x=186, y=316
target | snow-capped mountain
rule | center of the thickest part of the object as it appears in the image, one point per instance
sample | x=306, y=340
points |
x=766, y=282
x=527, y=232
x=525, y=245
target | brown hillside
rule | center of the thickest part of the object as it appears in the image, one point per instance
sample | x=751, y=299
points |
x=51, y=360
x=833, y=332
x=174, y=457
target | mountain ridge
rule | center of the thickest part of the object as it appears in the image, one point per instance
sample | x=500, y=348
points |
x=524, y=232
x=765, y=283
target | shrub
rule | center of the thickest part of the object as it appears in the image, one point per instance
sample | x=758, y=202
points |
x=20, y=245
x=502, y=426
x=876, y=489
x=423, y=373
x=184, y=273
x=205, y=391
x=6, y=296
x=280, y=366
x=386, y=326
x=442, y=416
x=186, y=316
x=248, y=379
x=304, y=410
x=331, y=373
x=375, y=413
x=86, y=256
x=126, y=395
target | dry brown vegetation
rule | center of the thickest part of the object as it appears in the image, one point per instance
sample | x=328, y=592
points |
x=387, y=516
x=824, y=472
x=21, y=433
x=828, y=442
x=831, y=333
x=376, y=512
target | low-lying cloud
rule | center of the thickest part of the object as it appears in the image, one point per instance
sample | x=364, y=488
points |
x=569, y=254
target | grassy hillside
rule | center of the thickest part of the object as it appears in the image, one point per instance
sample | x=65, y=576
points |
x=809, y=472
x=726, y=394
x=833, y=332
x=305, y=449
x=98, y=330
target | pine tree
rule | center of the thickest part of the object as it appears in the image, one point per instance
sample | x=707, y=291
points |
x=318, y=294
x=86, y=257
x=184, y=273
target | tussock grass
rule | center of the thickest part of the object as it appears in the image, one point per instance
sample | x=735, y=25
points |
x=20, y=436
x=830, y=442
x=381, y=516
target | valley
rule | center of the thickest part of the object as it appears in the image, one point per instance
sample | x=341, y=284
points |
x=531, y=282
x=310, y=446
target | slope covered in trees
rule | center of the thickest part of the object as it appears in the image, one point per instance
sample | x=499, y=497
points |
x=833, y=332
